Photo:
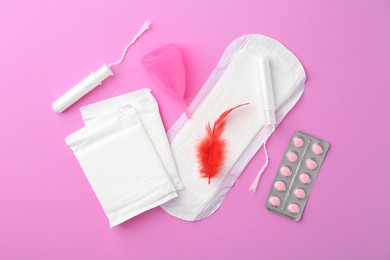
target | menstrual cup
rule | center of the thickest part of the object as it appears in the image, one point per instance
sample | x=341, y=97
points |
x=166, y=67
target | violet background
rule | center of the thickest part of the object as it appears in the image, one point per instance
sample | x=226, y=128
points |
x=47, y=208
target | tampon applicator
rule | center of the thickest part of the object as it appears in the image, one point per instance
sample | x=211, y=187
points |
x=93, y=80
x=267, y=92
x=82, y=88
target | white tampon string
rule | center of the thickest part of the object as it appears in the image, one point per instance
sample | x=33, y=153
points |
x=144, y=28
x=256, y=181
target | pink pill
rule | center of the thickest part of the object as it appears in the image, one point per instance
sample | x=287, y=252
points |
x=280, y=186
x=300, y=193
x=293, y=208
x=305, y=178
x=317, y=149
x=285, y=171
x=311, y=164
x=274, y=201
x=298, y=142
x=292, y=156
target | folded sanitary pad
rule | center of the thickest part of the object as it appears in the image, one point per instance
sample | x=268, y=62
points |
x=123, y=151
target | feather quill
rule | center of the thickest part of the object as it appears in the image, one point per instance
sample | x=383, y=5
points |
x=211, y=148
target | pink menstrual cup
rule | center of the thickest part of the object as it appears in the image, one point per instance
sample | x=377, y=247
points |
x=166, y=67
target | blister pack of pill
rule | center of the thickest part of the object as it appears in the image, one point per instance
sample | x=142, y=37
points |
x=296, y=175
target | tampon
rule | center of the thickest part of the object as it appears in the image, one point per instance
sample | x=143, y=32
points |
x=94, y=79
x=83, y=87
x=267, y=92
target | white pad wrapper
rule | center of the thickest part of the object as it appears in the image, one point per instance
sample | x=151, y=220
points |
x=119, y=159
x=234, y=81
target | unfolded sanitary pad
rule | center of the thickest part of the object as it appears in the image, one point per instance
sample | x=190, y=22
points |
x=124, y=153
x=234, y=81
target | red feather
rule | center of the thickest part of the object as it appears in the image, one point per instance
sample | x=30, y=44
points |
x=211, y=149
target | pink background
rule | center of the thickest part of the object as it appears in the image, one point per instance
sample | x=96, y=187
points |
x=47, y=208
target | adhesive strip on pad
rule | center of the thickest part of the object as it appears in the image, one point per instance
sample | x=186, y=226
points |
x=234, y=81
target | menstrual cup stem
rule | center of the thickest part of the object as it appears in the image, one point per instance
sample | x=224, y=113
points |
x=183, y=104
